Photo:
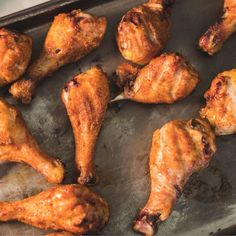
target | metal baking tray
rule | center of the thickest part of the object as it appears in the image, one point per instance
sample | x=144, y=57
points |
x=208, y=203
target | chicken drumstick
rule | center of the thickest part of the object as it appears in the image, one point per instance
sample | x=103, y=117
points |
x=73, y=208
x=18, y=145
x=15, y=54
x=179, y=149
x=220, y=107
x=166, y=79
x=86, y=98
x=144, y=30
x=214, y=38
x=70, y=37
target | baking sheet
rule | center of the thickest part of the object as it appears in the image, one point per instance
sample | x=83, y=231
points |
x=208, y=203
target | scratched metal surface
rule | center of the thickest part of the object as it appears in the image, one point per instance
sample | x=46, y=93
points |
x=209, y=201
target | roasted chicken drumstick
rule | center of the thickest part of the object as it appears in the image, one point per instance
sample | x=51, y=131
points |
x=144, y=30
x=166, y=79
x=70, y=37
x=73, y=208
x=18, y=145
x=220, y=107
x=15, y=54
x=86, y=98
x=214, y=38
x=179, y=149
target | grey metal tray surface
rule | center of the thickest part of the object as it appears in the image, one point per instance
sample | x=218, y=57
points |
x=208, y=203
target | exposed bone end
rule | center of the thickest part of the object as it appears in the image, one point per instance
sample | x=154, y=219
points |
x=119, y=98
x=87, y=179
x=23, y=90
x=56, y=173
x=146, y=223
x=213, y=39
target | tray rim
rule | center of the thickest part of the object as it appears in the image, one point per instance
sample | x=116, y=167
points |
x=52, y=8
x=20, y=20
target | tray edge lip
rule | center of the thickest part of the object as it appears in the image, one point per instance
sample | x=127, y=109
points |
x=33, y=11
x=43, y=8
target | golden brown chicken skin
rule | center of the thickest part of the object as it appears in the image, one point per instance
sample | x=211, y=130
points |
x=144, y=31
x=18, y=145
x=70, y=37
x=86, y=98
x=166, y=79
x=60, y=234
x=220, y=107
x=15, y=54
x=214, y=38
x=73, y=208
x=179, y=149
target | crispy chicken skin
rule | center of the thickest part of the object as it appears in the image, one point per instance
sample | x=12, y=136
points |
x=166, y=79
x=73, y=208
x=18, y=145
x=70, y=37
x=179, y=149
x=60, y=234
x=214, y=38
x=15, y=54
x=220, y=107
x=144, y=31
x=86, y=98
